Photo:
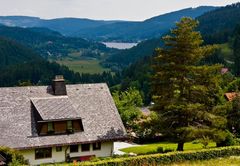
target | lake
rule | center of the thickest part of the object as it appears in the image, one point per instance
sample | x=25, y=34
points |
x=120, y=45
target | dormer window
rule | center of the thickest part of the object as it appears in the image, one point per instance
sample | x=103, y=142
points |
x=50, y=128
x=60, y=127
x=69, y=126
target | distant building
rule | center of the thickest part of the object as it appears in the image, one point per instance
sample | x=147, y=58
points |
x=58, y=123
x=224, y=70
x=230, y=95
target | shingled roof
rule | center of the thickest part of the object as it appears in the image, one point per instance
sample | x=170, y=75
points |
x=55, y=108
x=92, y=102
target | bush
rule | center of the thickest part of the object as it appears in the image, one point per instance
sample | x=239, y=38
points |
x=163, y=159
x=160, y=150
x=13, y=157
x=229, y=140
x=167, y=150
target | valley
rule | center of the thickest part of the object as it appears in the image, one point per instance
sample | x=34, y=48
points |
x=120, y=92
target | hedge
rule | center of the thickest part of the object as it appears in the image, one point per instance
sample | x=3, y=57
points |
x=13, y=157
x=172, y=157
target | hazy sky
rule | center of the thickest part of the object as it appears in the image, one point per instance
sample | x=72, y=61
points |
x=101, y=9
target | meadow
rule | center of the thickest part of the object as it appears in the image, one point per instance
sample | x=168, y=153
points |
x=91, y=66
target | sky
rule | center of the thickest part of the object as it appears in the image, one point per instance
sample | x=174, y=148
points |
x=134, y=10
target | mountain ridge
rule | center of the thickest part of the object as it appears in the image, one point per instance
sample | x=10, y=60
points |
x=112, y=30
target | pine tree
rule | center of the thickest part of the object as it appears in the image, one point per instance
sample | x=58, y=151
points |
x=185, y=94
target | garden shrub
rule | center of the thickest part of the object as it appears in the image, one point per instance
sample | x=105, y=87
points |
x=167, y=150
x=160, y=150
x=13, y=157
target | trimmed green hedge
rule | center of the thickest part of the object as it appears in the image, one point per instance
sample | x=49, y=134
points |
x=162, y=159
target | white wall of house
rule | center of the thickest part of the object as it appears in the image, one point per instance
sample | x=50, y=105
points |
x=106, y=150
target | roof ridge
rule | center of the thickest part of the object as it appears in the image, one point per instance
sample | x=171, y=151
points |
x=49, y=97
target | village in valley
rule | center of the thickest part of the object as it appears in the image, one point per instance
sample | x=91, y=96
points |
x=94, y=92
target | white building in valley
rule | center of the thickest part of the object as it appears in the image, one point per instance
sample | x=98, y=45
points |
x=59, y=123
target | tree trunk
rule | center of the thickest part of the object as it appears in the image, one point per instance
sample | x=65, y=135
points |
x=180, y=146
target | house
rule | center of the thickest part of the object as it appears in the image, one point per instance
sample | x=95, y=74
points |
x=230, y=96
x=59, y=123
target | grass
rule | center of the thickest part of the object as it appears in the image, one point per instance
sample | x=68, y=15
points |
x=152, y=148
x=91, y=66
x=230, y=161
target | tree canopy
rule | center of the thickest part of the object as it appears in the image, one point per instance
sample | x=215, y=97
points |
x=128, y=103
x=186, y=93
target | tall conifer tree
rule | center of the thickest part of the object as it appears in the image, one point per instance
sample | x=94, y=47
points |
x=185, y=93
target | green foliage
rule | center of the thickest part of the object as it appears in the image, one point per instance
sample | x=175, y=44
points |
x=51, y=44
x=129, y=56
x=204, y=141
x=160, y=149
x=169, y=158
x=13, y=157
x=233, y=85
x=152, y=148
x=21, y=66
x=13, y=53
x=42, y=72
x=138, y=75
x=233, y=117
x=226, y=161
x=83, y=66
x=185, y=93
x=236, y=51
x=218, y=25
x=128, y=103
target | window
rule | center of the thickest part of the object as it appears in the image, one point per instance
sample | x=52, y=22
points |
x=73, y=148
x=97, y=146
x=50, y=127
x=85, y=147
x=43, y=153
x=58, y=149
x=69, y=126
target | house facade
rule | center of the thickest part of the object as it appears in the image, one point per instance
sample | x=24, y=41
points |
x=59, y=123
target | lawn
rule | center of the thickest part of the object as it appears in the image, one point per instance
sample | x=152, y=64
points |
x=230, y=161
x=152, y=148
x=83, y=66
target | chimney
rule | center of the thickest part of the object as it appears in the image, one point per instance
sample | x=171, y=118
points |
x=59, y=86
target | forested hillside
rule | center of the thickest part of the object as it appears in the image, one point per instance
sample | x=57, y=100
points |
x=138, y=74
x=51, y=44
x=125, y=57
x=218, y=25
x=20, y=66
x=14, y=53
